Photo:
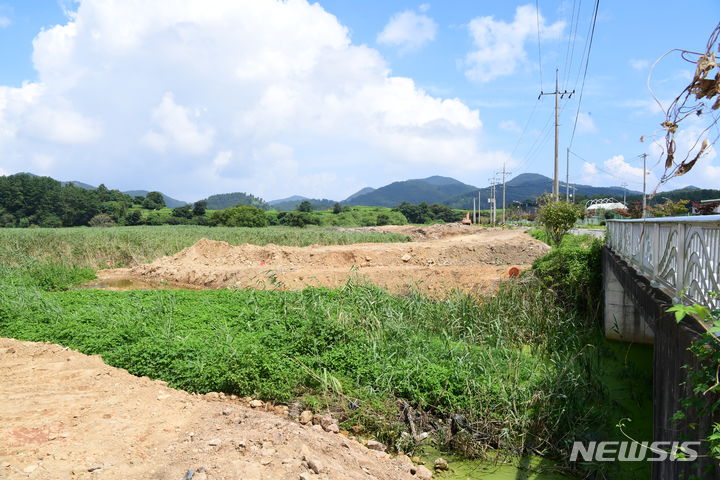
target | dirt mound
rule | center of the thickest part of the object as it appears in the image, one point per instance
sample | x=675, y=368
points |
x=67, y=415
x=472, y=262
x=425, y=232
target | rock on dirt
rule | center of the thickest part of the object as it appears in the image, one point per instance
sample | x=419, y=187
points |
x=63, y=413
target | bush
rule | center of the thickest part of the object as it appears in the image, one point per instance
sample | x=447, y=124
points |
x=383, y=219
x=240, y=216
x=573, y=272
x=558, y=218
x=101, y=220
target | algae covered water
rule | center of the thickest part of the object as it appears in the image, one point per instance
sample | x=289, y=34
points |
x=625, y=371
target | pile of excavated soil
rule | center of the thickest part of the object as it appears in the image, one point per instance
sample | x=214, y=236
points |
x=65, y=415
x=471, y=261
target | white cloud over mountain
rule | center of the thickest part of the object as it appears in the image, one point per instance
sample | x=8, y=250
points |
x=500, y=46
x=203, y=96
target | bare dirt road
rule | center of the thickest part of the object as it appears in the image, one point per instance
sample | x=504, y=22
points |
x=65, y=415
x=439, y=259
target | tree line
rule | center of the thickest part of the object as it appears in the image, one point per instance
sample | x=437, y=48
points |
x=28, y=200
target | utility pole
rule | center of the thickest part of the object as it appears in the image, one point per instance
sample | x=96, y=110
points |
x=624, y=185
x=473, y=217
x=644, y=157
x=567, y=176
x=504, y=173
x=479, y=199
x=492, y=201
x=558, y=94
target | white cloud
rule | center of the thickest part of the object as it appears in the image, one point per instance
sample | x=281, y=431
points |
x=500, y=46
x=177, y=130
x=589, y=170
x=510, y=126
x=616, y=170
x=4, y=22
x=585, y=123
x=409, y=30
x=205, y=96
x=640, y=65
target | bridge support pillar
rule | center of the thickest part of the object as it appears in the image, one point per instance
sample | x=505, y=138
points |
x=623, y=319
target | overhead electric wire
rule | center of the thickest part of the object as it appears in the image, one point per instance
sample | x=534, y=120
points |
x=537, y=17
x=572, y=39
x=587, y=62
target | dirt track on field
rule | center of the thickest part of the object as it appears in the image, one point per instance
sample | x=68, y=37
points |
x=439, y=259
x=65, y=415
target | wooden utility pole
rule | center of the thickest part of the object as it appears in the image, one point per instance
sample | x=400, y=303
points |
x=504, y=173
x=558, y=95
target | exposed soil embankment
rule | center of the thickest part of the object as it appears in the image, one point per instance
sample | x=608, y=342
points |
x=442, y=258
x=65, y=415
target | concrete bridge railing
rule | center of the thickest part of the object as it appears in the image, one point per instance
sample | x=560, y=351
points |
x=680, y=255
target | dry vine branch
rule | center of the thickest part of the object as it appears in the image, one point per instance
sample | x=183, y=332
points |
x=695, y=99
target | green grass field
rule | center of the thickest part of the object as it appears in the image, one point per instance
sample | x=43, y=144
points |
x=123, y=246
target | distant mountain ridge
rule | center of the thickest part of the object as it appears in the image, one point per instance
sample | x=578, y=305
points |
x=435, y=189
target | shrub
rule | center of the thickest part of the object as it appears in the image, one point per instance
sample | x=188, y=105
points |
x=101, y=220
x=240, y=216
x=573, y=272
x=558, y=218
x=383, y=219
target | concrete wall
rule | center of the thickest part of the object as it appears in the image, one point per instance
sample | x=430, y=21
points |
x=623, y=320
x=671, y=364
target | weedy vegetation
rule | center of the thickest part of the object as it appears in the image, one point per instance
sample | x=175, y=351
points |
x=512, y=371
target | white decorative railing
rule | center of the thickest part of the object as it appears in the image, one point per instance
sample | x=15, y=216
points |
x=678, y=254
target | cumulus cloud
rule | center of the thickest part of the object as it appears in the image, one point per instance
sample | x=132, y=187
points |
x=585, y=123
x=205, y=96
x=500, y=46
x=616, y=170
x=409, y=30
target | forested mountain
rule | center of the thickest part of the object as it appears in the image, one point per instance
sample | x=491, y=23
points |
x=362, y=191
x=226, y=200
x=529, y=186
x=434, y=189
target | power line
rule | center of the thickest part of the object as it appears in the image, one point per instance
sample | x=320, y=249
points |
x=537, y=17
x=574, y=42
x=587, y=62
x=574, y=20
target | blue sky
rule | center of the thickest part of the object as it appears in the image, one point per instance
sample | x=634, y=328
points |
x=202, y=97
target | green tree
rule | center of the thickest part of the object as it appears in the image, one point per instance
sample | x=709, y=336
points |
x=154, y=201
x=305, y=206
x=134, y=217
x=240, y=216
x=199, y=208
x=337, y=208
x=558, y=218
x=383, y=219
x=184, y=211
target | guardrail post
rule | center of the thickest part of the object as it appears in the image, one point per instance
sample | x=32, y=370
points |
x=680, y=260
x=656, y=252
